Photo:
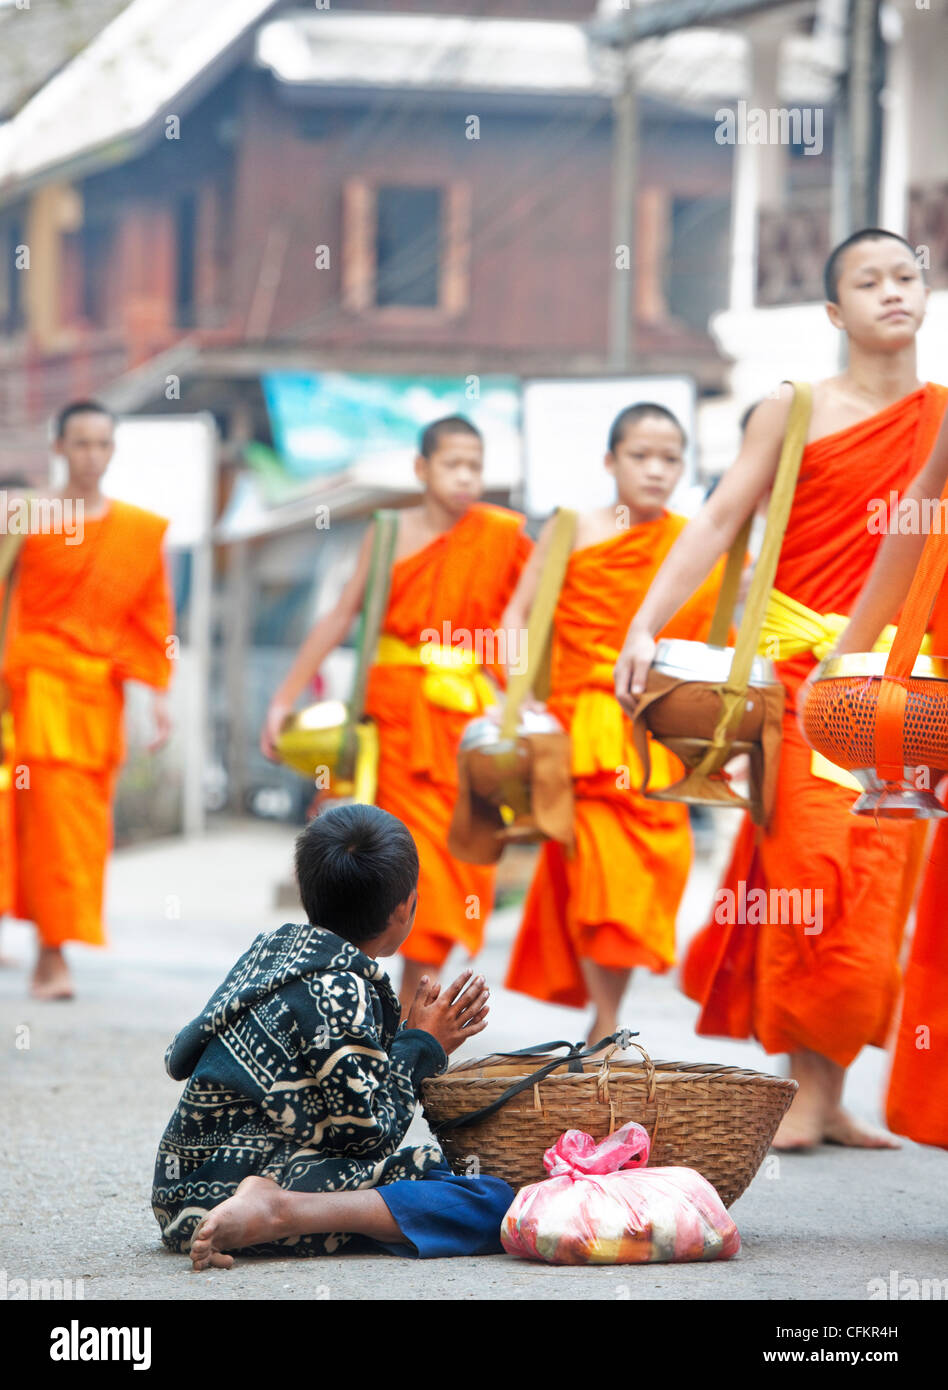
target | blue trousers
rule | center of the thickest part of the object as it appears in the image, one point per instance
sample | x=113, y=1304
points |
x=442, y=1214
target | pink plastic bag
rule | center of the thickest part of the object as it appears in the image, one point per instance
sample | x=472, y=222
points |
x=601, y=1205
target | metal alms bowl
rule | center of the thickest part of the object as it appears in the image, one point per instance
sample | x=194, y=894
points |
x=688, y=714
x=312, y=737
x=499, y=768
x=699, y=661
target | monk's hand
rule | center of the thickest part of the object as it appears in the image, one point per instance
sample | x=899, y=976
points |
x=162, y=718
x=631, y=671
x=277, y=712
x=453, y=1014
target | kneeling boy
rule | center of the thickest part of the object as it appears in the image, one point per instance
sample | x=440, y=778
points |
x=302, y=1084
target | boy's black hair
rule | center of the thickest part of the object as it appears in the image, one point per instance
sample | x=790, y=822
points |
x=643, y=410
x=354, y=865
x=833, y=267
x=450, y=424
x=80, y=408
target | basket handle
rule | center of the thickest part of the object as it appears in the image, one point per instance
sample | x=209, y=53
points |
x=602, y=1081
x=574, y=1058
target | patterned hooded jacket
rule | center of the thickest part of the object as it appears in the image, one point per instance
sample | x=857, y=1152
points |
x=298, y=1071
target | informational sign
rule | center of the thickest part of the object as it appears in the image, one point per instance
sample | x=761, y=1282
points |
x=166, y=465
x=566, y=436
x=324, y=422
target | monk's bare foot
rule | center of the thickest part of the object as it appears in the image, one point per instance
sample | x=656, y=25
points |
x=819, y=1086
x=843, y=1128
x=51, y=978
x=798, y=1131
x=253, y=1216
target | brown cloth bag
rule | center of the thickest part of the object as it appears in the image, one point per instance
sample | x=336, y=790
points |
x=535, y=777
x=706, y=724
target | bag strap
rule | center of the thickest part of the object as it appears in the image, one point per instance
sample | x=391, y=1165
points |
x=576, y=1054
x=889, y=718
x=374, y=605
x=720, y=629
x=536, y=675
x=734, y=690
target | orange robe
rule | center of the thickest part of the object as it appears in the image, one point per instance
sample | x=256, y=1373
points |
x=464, y=578
x=615, y=900
x=917, y=1100
x=830, y=991
x=86, y=617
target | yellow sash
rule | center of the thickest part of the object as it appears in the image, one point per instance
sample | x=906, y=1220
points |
x=790, y=628
x=453, y=678
x=601, y=736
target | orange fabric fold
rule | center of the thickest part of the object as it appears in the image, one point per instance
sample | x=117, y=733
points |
x=85, y=617
x=831, y=991
x=917, y=1099
x=615, y=900
x=464, y=578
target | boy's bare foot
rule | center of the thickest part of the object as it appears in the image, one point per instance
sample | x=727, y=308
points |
x=51, y=978
x=253, y=1216
x=843, y=1128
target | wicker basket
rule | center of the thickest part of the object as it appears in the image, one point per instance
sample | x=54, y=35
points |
x=719, y=1120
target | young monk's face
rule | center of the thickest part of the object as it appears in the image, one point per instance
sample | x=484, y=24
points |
x=454, y=474
x=647, y=464
x=87, y=444
x=881, y=297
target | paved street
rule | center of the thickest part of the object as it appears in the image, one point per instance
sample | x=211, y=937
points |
x=86, y=1100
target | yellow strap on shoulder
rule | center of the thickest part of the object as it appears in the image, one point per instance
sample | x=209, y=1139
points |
x=734, y=690
x=536, y=673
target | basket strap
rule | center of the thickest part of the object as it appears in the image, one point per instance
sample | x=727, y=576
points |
x=574, y=1058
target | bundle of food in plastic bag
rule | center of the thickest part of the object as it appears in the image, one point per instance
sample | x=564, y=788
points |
x=601, y=1205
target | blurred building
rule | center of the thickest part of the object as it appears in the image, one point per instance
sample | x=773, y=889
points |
x=198, y=200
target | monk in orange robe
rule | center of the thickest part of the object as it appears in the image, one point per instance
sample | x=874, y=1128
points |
x=456, y=564
x=91, y=609
x=591, y=917
x=818, y=989
x=917, y=1100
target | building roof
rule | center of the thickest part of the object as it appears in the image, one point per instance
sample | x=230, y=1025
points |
x=36, y=42
x=155, y=59
x=151, y=61
x=697, y=67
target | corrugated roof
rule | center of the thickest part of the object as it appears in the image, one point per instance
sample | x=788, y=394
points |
x=131, y=74
x=36, y=42
x=695, y=68
x=156, y=56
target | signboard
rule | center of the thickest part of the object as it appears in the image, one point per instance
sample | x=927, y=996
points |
x=324, y=422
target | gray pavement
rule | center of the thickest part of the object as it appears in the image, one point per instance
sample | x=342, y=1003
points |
x=86, y=1098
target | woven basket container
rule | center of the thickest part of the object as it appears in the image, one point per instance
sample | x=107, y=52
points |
x=719, y=1120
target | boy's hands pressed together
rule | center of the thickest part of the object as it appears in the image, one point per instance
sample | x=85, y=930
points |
x=453, y=1014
